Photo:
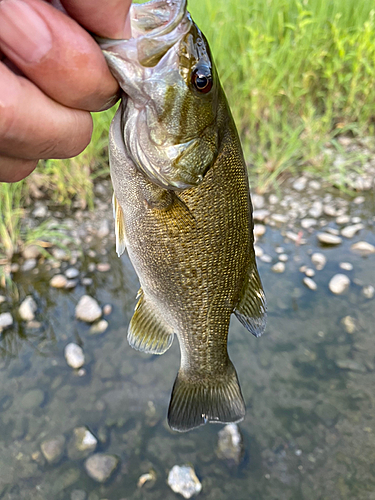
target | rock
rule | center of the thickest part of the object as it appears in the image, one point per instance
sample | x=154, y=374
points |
x=60, y=254
x=350, y=364
x=184, y=481
x=258, y=251
x=350, y=231
x=87, y=281
x=149, y=477
x=363, y=248
x=103, y=230
x=349, y=324
x=307, y=223
x=40, y=211
x=107, y=309
x=358, y=200
x=53, y=449
x=342, y=219
x=319, y=260
x=27, y=309
x=368, y=291
x=283, y=257
x=32, y=399
x=356, y=220
x=6, y=320
x=327, y=413
x=58, y=281
x=299, y=184
x=279, y=218
x=230, y=444
x=273, y=199
x=83, y=443
x=31, y=252
x=310, y=283
x=330, y=210
x=329, y=239
x=74, y=355
x=103, y=267
x=260, y=215
x=347, y=266
x=100, y=466
x=279, y=267
x=88, y=309
x=259, y=230
x=99, y=327
x=71, y=273
x=309, y=272
x=316, y=210
x=257, y=201
x=266, y=258
x=71, y=284
x=296, y=237
x=78, y=495
x=315, y=185
x=339, y=284
x=2, y=299
x=28, y=265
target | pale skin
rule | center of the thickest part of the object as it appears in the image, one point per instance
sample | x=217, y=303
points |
x=52, y=75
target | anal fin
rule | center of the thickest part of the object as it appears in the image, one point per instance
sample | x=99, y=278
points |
x=148, y=332
x=251, y=309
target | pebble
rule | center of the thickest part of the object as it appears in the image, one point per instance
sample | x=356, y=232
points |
x=299, y=184
x=349, y=324
x=53, y=449
x=258, y=251
x=330, y=210
x=107, y=309
x=6, y=320
x=307, y=223
x=99, y=327
x=31, y=252
x=58, y=281
x=310, y=283
x=103, y=230
x=230, y=444
x=74, y=355
x=368, y=291
x=260, y=215
x=71, y=273
x=28, y=265
x=350, y=364
x=71, y=284
x=319, y=260
x=257, y=201
x=86, y=281
x=103, y=267
x=91, y=267
x=363, y=248
x=342, y=219
x=315, y=185
x=295, y=237
x=100, y=466
x=27, y=309
x=339, y=284
x=84, y=441
x=88, y=309
x=40, y=211
x=356, y=220
x=279, y=249
x=346, y=266
x=78, y=495
x=184, y=481
x=273, y=199
x=259, y=230
x=266, y=258
x=60, y=254
x=283, y=257
x=309, y=272
x=279, y=267
x=329, y=239
x=350, y=231
x=358, y=200
x=316, y=210
x=14, y=268
x=279, y=218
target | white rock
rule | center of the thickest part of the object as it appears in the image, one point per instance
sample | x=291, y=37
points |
x=358, y=200
x=28, y=265
x=339, y=284
x=74, y=355
x=260, y=215
x=257, y=201
x=330, y=210
x=88, y=309
x=184, y=481
x=273, y=199
x=258, y=251
x=356, y=220
x=368, y=291
x=103, y=230
x=299, y=184
x=266, y=258
x=315, y=185
x=319, y=260
x=350, y=231
x=230, y=444
x=283, y=257
x=40, y=211
x=343, y=219
x=72, y=273
x=279, y=218
x=27, y=309
x=309, y=272
x=279, y=267
x=58, y=281
x=346, y=266
x=363, y=248
x=349, y=324
x=329, y=239
x=316, y=210
x=99, y=327
x=307, y=223
x=259, y=230
x=310, y=283
x=100, y=466
x=6, y=319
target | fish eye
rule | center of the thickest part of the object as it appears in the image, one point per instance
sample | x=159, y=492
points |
x=201, y=78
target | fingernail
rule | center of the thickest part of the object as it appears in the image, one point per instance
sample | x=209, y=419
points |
x=23, y=32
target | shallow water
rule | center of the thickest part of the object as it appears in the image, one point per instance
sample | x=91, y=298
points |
x=309, y=432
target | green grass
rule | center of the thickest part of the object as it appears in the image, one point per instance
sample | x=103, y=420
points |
x=297, y=74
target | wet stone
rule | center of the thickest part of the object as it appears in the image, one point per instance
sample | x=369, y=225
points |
x=350, y=364
x=368, y=291
x=31, y=252
x=103, y=267
x=346, y=266
x=6, y=320
x=279, y=218
x=307, y=223
x=107, y=309
x=60, y=254
x=260, y=215
x=349, y=324
x=299, y=184
x=279, y=267
x=266, y=258
x=230, y=444
x=309, y=272
x=27, y=309
x=316, y=210
x=319, y=260
x=78, y=495
x=184, y=481
x=53, y=449
x=28, y=265
x=310, y=283
x=327, y=413
x=71, y=273
x=100, y=466
x=329, y=239
x=363, y=248
x=83, y=443
x=259, y=230
x=283, y=257
x=58, y=281
x=40, y=211
x=87, y=281
x=257, y=201
x=342, y=219
x=258, y=251
x=88, y=309
x=350, y=231
x=71, y=284
x=103, y=230
x=74, y=355
x=32, y=399
x=98, y=328
x=339, y=284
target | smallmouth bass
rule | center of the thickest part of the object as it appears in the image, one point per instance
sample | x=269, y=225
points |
x=182, y=208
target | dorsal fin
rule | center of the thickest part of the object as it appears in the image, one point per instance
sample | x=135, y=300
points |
x=148, y=332
x=251, y=309
x=118, y=215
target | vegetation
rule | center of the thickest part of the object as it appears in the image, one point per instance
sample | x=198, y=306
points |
x=297, y=74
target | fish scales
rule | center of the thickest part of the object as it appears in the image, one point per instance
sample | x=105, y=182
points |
x=182, y=209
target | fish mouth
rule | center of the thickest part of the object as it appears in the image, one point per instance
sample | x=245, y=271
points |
x=156, y=26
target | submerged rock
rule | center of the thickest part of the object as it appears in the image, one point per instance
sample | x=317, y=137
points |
x=99, y=327
x=100, y=466
x=58, y=281
x=53, y=449
x=347, y=266
x=71, y=273
x=310, y=283
x=279, y=267
x=363, y=248
x=6, y=320
x=329, y=239
x=349, y=324
x=88, y=309
x=27, y=309
x=184, y=481
x=368, y=291
x=83, y=443
x=28, y=265
x=350, y=231
x=31, y=252
x=74, y=355
x=339, y=284
x=319, y=260
x=230, y=444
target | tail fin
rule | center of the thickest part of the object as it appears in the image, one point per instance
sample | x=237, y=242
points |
x=196, y=402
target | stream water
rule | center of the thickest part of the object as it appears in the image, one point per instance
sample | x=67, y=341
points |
x=309, y=387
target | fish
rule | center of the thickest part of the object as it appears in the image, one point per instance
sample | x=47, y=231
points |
x=182, y=209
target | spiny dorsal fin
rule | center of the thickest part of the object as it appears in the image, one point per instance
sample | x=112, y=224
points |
x=251, y=309
x=195, y=402
x=148, y=332
x=118, y=215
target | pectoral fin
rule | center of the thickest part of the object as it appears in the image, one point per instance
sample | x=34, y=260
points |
x=251, y=309
x=118, y=215
x=148, y=332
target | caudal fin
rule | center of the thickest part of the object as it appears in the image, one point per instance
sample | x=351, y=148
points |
x=196, y=402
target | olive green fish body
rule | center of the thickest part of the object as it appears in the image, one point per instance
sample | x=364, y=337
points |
x=187, y=227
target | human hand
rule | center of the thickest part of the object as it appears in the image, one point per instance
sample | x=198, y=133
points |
x=52, y=74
